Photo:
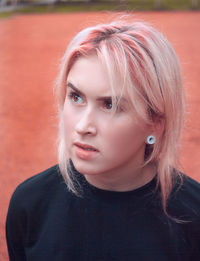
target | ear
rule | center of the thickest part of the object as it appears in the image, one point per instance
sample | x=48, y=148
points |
x=157, y=128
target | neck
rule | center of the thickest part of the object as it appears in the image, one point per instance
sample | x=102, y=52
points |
x=115, y=181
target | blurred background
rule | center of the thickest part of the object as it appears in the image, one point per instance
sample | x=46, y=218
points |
x=33, y=37
x=96, y=5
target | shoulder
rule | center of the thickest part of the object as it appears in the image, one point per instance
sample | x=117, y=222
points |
x=38, y=187
x=41, y=179
x=29, y=206
x=188, y=188
x=185, y=197
x=190, y=182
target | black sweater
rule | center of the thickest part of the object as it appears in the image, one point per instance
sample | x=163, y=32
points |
x=46, y=222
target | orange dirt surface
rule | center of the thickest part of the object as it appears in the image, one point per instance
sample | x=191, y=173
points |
x=30, y=49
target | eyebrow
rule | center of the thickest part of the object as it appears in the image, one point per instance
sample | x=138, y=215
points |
x=99, y=98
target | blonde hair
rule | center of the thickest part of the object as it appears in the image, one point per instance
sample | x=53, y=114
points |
x=148, y=68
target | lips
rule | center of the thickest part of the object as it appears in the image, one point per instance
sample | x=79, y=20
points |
x=85, y=146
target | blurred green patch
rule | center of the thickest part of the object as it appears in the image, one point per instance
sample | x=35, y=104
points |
x=102, y=5
x=6, y=14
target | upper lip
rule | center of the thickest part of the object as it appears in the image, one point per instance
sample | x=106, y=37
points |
x=86, y=146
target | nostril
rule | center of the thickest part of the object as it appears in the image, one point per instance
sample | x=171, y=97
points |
x=86, y=130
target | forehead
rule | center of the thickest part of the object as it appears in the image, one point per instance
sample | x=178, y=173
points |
x=90, y=75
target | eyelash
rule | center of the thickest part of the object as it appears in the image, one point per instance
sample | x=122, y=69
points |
x=73, y=94
x=107, y=102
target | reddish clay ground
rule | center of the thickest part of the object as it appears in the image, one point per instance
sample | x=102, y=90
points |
x=30, y=48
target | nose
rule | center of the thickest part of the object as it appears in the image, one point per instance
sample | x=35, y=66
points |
x=86, y=124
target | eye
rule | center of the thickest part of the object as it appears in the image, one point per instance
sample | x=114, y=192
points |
x=107, y=104
x=75, y=97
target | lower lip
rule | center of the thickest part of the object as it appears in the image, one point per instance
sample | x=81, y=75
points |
x=85, y=154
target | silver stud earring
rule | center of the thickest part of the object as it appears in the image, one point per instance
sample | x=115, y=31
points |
x=151, y=139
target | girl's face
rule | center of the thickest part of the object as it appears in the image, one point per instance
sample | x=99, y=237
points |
x=97, y=141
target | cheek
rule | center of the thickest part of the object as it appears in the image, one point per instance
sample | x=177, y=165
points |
x=125, y=135
x=120, y=137
x=68, y=121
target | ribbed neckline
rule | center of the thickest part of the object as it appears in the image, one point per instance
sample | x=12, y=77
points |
x=88, y=189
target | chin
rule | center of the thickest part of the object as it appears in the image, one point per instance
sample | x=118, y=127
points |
x=86, y=168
